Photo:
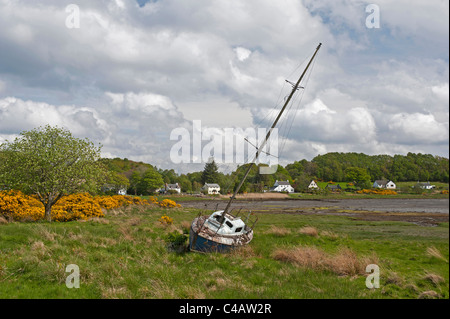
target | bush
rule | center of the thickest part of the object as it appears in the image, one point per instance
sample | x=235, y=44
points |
x=14, y=205
x=166, y=220
x=177, y=241
x=20, y=207
x=168, y=203
x=76, y=206
x=377, y=191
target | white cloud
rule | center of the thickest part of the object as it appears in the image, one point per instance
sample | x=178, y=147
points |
x=130, y=74
x=242, y=53
x=418, y=128
x=441, y=91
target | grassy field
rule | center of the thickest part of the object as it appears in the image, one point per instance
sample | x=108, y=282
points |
x=125, y=255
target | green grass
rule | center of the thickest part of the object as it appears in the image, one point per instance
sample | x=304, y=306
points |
x=125, y=255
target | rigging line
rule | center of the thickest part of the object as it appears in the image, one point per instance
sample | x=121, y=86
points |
x=283, y=127
x=290, y=118
x=287, y=81
x=278, y=102
x=270, y=114
x=233, y=175
x=288, y=126
x=298, y=106
x=274, y=113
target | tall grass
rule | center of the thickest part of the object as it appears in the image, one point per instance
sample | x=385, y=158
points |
x=345, y=262
x=125, y=255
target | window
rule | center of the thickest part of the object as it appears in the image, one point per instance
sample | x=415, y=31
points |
x=229, y=224
x=238, y=229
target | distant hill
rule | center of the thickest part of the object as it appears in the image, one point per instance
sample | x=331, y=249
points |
x=125, y=166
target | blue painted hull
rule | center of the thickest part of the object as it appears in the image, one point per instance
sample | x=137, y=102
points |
x=201, y=244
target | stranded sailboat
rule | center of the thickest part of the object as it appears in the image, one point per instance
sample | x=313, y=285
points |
x=222, y=231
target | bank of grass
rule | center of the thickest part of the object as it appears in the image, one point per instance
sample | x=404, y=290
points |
x=125, y=255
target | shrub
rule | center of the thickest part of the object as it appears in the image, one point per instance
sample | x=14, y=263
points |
x=76, y=206
x=166, y=220
x=176, y=241
x=168, y=203
x=20, y=207
x=17, y=206
x=377, y=191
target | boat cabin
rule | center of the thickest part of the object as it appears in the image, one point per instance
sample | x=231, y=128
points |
x=231, y=225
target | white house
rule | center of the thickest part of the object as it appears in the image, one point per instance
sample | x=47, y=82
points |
x=313, y=185
x=282, y=186
x=384, y=184
x=391, y=185
x=426, y=185
x=211, y=188
x=122, y=191
x=173, y=187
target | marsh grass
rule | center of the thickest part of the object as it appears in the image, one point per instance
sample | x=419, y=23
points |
x=344, y=262
x=434, y=252
x=124, y=255
x=309, y=231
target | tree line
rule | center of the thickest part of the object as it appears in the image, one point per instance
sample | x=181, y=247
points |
x=50, y=161
x=358, y=168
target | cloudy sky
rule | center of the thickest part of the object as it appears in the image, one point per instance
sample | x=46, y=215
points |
x=131, y=72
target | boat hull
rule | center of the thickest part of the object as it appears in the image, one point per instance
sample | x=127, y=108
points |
x=202, y=239
x=199, y=243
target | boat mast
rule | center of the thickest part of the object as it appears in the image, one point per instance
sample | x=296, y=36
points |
x=258, y=150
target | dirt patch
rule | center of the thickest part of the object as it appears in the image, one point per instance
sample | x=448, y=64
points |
x=258, y=196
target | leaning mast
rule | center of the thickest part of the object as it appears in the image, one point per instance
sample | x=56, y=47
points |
x=258, y=150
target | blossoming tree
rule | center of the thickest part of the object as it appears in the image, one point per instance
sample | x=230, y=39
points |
x=49, y=162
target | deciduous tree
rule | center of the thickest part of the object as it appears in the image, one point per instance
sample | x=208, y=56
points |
x=49, y=162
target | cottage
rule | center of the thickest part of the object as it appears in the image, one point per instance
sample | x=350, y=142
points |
x=282, y=186
x=211, y=188
x=313, y=185
x=173, y=187
x=109, y=188
x=333, y=187
x=384, y=184
x=426, y=185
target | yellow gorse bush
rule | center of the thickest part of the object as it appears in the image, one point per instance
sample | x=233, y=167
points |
x=76, y=206
x=20, y=207
x=16, y=205
x=377, y=191
x=168, y=203
x=166, y=220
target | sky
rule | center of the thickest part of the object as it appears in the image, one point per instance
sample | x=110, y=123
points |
x=130, y=74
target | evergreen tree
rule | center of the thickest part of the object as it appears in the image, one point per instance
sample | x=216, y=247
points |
x=210, y=173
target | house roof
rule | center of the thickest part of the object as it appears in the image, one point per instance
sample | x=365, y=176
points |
x=211, y=185
x=424, y=184
x=282, y=183
x=173, y=185
x=381, y=182
x=333, y=186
